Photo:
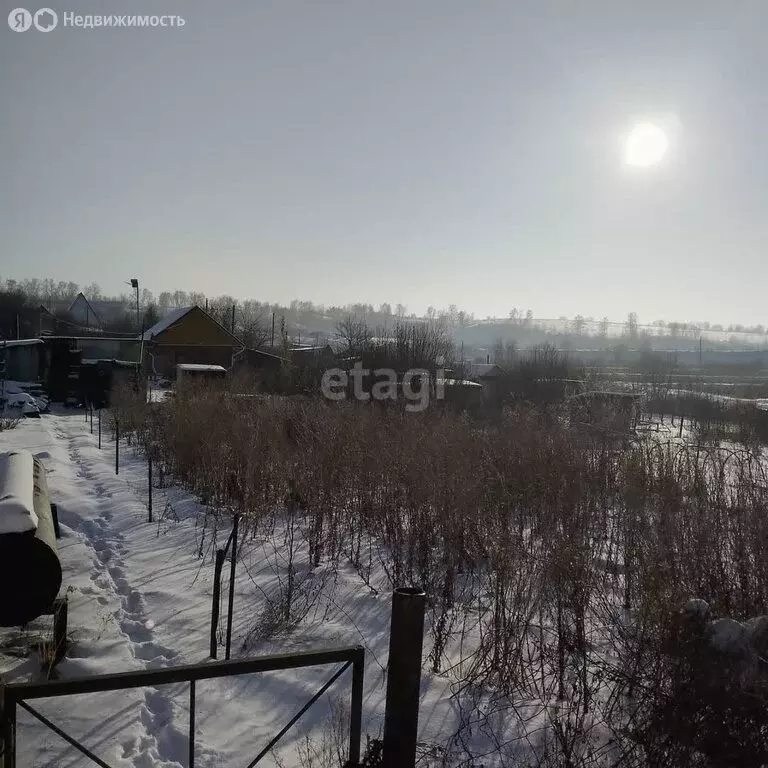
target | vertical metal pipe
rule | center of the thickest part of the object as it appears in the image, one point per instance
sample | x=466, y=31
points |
x=60, y=611
x=216, y=603
x=356, y=719
x=230, y=606
x=91, y=418
x=401, y=717
x=191, y=724
x=149, y=482
x=99, y=428
x=117, y=446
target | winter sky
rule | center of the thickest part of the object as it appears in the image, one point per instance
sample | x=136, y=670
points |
x=413, y=151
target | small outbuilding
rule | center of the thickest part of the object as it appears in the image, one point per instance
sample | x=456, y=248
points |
x=23, y=359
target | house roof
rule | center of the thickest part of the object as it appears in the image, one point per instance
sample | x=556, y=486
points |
x=459, y=383
x=19, y=342
x=166, y=322
x=263, y=354
x=484, y=370
x=108, y=310
x=103, y=309
x=174, y=317
x=55, y=305
x=194, y=367
x=318, y=348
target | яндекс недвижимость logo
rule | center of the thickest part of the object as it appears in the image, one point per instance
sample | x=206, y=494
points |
x=44, y=19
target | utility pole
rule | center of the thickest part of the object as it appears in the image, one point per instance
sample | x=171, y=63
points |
x=272, y=342
x=17, y=327
x=232, y=329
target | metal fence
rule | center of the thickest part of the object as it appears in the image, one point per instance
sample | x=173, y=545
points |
x=18, y=695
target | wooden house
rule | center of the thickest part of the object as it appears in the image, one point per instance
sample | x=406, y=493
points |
x=188, y=335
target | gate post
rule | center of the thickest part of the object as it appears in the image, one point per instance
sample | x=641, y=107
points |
x=8, y=730
x=401, y=717
x=356, y=715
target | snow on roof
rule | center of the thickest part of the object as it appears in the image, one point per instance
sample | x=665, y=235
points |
x=19, y=342
x=318, y=348
x=166, y=322
x=459, y=383
x=200, y=367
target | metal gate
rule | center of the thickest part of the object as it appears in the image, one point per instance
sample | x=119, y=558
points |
x=18, y=695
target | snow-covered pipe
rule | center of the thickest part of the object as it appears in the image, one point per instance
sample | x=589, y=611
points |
x=30, y=571
x=17, y=502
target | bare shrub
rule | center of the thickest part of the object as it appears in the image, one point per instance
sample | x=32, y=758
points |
x=555, y=562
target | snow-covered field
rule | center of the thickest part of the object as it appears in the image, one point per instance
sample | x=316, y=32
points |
x=140, y=598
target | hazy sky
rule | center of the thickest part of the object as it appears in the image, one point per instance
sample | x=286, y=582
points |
x=414, y=151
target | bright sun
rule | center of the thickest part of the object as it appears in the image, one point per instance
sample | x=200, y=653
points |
x=646, y=145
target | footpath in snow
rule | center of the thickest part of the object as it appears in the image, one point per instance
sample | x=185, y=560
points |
x=140, y=598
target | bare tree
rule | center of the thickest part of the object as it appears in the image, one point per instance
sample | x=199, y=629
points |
x=352, y=335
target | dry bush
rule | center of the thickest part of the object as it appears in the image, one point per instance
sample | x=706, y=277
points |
x=8, y=422
x=555, y=567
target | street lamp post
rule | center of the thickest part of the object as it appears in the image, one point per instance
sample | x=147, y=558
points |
x=135, y=284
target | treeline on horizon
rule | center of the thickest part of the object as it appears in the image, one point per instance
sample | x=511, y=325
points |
x=305, y=322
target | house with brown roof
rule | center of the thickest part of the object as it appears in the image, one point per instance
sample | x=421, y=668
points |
x=188, y=335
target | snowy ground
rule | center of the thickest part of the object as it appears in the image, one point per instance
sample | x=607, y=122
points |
x=140, y=597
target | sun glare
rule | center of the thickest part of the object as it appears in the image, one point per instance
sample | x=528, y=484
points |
x=646, y=145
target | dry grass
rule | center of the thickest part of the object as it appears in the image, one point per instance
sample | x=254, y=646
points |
x=555, y=566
